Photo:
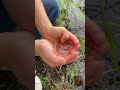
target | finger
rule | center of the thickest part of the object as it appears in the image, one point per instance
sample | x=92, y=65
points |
x=74, y=59
x=52, y=59
x=75, y=41
x=69, y=58
x=50, y=64
x=55, y=61
x=64, y=35
x=59, y=61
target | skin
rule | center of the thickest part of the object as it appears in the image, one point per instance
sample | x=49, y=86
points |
x=55, y=35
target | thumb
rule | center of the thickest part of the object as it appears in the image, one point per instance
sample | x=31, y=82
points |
x=62, y=61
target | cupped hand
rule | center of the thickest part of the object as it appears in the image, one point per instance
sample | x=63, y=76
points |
x=61, y=35
x=55, y=54
x=96, y=47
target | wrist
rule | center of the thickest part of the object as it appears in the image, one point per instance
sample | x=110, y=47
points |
x=46, y=31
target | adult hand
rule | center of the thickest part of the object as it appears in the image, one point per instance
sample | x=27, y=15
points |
x=96, y=47
x=61, y=35
x=55, y=55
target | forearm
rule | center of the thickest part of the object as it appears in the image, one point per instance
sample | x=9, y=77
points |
x=42, y=22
